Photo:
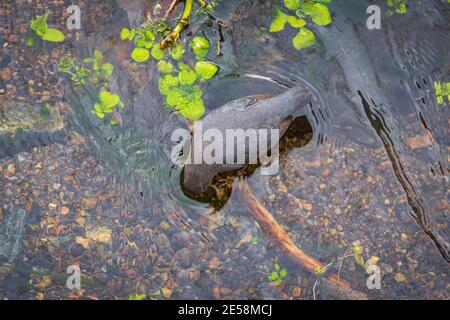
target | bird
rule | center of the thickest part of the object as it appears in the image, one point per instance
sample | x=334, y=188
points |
x=250, y=112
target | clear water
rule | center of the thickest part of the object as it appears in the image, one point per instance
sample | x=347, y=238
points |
x=354, y=166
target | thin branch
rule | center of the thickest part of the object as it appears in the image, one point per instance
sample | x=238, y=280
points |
x=182, y=25
x=172, y=7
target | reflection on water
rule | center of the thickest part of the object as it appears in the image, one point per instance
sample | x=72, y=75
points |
x=370, y=163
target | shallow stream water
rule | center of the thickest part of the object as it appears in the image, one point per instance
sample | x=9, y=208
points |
x=368, y=162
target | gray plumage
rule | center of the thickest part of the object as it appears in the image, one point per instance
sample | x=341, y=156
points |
x=253, y=112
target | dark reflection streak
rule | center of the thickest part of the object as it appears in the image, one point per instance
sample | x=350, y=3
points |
x=315, y=117
x=414, y=200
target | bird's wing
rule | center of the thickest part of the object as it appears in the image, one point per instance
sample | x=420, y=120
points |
x=242, y=103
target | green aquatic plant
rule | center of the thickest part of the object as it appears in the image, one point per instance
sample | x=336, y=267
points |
x=277, y=275
x=95, y=68
x=145, y=40
x=181, y=91
x=200, y=47
x=100, y=69
x=179, y=83
x=39, y=29
x=442, y=90
x=108, y=102
x=183, y=23
x=315, y=10
x=356, y=250
x=137, y=297
x=70, y=66
x=396, y=6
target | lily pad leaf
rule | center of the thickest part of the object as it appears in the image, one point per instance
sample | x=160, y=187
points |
x=165, y=67
x=195, y=110
x=167, y=82
x=53, y=35
x=292, y=4
x=184, y=66
x=200, y=46
x=177, y=52
x=187, y=76
x=273, y=276
x=319, y=13
x=157, y=53
x=206, y=70
x=39, y=25
x=140, y=54
x=150, y=36
x=108, y=100
x=124, y=34
x=296, y=22
x=279, y=21
x=304, y=39
x=107, y=68
x=144, y=43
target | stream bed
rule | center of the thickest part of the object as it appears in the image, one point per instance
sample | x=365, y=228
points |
x=368, y=162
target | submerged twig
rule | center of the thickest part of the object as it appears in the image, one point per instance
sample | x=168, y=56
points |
x=280, y=236
x=172, y=7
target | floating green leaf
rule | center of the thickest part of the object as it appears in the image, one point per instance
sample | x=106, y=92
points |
x=165, y=67
x=296, y=22
x=107, y=102
x=397, y=6
x=183, y=66
x=319, y=13
x=187, y=99
x=442, y=90
x=137, y=297
x=143, y=43
x=132, y=35
x=167, y=82
x=292, y=4
x=277, y=275
x=273, y=276
x=200, y=46
x=124, y=34
x=206, y=70
x=150, y=36
x=41, y=29
x=157, y=53
x=140, y=54
x=39, y=25
x=107, y=68
x=279, y=21
x=304, y=39
x=177, y=52
x=187, y=76
x=319, y=271
x=194, y=111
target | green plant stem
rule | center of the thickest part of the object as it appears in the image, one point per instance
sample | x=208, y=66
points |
x=182, y=25
x=202, y=3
